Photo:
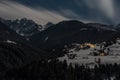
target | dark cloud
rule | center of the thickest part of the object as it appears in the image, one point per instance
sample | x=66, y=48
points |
x=13, y=10
x=105, y=11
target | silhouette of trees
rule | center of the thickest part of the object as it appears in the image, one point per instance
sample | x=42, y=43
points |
x=56, y=70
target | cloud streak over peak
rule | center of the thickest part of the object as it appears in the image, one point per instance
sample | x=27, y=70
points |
x=13, y=10
x=42, y=11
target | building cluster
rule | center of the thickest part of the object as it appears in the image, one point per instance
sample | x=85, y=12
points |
x=95, y=49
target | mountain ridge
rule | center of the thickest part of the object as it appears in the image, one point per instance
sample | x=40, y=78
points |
x=23, y=27
x=67, y=32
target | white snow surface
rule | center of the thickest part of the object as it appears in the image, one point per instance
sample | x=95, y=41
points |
x=9, y=41
x=84, y=57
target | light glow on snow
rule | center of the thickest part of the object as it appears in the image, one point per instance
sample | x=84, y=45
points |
x=83, y=56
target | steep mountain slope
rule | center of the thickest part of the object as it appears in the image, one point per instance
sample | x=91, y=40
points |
x=67, y=32
x=7, y=33
x=23, y=27
x=49, y=24
x=15, y=51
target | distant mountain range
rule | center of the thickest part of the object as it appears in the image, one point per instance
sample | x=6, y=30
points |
x=51, y=35
x=67, y=32
x=24, y=27
x=46, y=43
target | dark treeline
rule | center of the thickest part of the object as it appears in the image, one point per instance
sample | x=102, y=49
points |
x=56, y=70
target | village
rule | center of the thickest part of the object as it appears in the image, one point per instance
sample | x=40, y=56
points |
x=89, y=53
x=96, y=49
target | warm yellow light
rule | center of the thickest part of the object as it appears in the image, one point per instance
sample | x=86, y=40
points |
x=102, y=54
x=90, y=45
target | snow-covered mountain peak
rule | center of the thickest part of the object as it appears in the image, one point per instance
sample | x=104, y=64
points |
x=24, y=26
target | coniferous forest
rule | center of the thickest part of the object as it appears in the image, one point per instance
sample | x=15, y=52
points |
x=56, y=70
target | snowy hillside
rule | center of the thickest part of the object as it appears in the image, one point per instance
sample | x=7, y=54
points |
x=91, y=55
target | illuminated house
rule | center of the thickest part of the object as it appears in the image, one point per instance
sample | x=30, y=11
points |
x=90, y=45
x=87, y=45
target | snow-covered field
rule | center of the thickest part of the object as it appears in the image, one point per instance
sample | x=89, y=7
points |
x=83, y=56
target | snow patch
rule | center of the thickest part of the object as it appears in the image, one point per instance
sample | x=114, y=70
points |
x=22, y=34
x=46, y=38
x=12, y=42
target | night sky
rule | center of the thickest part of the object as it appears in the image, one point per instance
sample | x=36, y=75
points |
x=43, y=11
